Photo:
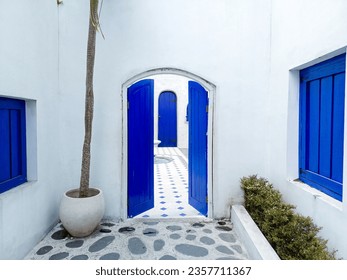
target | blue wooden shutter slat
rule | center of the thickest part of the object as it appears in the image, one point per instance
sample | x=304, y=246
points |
x=313, y=126
x=325, y=127
x=16, y=159
x=5, y=156
x=338, y=127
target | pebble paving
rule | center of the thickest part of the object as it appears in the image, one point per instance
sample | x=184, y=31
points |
x=136, y=239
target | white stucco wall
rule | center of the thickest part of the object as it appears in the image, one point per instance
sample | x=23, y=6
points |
x=178, y=85
x=29, y=71
x=226, y=42
x=303, y=33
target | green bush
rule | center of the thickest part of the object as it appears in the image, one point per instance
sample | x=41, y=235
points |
x=293, y=236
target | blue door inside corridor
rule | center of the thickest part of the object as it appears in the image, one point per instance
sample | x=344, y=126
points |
x=197, y=151
x=140, y=147
x=167, y=119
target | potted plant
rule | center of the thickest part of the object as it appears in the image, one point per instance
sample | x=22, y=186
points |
x=82, y=209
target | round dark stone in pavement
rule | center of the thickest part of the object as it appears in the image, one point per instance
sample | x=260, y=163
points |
x=44, y=250
x=207, y=241
x=126, y=229
x=60, y=234
x=221, y=223
x=190, y=230
x=150, y=232
x=105, y=230
x=191, y=250
x=80, y=257
x=237, y=248
x=74, y=244
x=136, y=246
x=108, y=224
x=101, y=243
x=190, y=237
x=225, y=250
x=224, y=228
x=227, y=237
x=174, y=228
x=150, y=223
x=158, y=244
x=198, y=225
x=59, y=256
x=110, y=256
x=167, y=257
x=206, y=230
x=175, y=236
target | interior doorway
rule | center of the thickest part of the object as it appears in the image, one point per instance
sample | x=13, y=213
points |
x=175, y=169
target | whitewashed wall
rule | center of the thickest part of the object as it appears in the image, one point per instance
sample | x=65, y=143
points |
x=303, y=32
x=29, y=71
x=226, y=42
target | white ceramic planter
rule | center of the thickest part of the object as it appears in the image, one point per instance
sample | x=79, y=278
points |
x=81, y=216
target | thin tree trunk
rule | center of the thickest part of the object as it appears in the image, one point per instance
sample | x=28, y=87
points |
x=89, y=101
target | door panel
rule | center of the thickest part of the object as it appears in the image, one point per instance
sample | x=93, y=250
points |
x=140, y=147
x=197, y=165
x=167, y=119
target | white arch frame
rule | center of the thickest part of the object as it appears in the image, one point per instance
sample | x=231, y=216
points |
x=211, y=89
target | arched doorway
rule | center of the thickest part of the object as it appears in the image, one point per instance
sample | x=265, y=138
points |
x=201, y=158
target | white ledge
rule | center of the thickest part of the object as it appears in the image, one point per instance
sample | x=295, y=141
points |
x=255, y=242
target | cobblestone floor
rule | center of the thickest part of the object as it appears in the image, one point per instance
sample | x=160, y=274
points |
x=136, y=240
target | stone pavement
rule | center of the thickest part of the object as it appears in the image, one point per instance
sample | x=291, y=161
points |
x=140, y=239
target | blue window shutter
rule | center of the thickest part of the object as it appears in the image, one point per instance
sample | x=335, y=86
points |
x=322, y=94
x=12, y=143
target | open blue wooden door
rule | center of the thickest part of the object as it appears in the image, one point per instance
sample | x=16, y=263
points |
x=140, y=147
x=197, y=152
x=167, y=119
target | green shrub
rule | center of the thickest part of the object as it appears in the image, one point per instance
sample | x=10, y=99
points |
x=293, y=236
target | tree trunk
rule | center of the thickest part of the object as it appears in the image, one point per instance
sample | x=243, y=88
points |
x=89, y=101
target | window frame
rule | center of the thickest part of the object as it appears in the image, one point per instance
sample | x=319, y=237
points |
x=330, y=67
x=16, y=104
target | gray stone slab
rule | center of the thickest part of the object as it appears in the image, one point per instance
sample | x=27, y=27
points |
x=167, y=257
x=158, y=244
x=225, y=250
x=136, y=246
x=126, y=229
x=150, y=232
x=59, y=256
x=110, y=256
x=191, y=250
x=207, y=240
x=227, y=237
x=80, y=257
x=101, y=243
x=191, y=237
x=74, y=244
x=44, y=250
x=175, y=236
x=60, y=234
x=206, y=230
x=174, y=228
x=237, y=248
x=224, y=228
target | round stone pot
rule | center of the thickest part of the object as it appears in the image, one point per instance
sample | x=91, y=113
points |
x=81, y=216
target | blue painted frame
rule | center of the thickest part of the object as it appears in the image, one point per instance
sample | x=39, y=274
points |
x=321, y=125
x=13, y=161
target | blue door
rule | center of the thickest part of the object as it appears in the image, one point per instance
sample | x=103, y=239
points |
x=167, y=119
x=197, y=152
x=140, y=147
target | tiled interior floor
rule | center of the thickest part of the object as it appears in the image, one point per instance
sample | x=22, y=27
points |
x=170, y=186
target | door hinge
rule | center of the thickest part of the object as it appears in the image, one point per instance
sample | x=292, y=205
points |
x=206, y=108
x=128, y=105
x=206, y=199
